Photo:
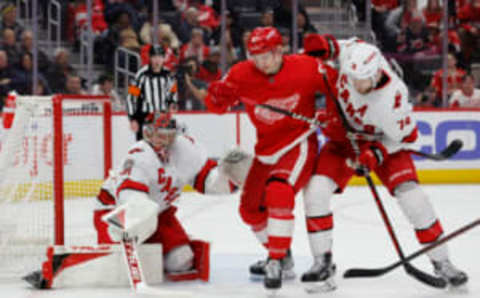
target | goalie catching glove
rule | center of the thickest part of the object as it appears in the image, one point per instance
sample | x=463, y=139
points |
x=136, y=218
x=235, y=164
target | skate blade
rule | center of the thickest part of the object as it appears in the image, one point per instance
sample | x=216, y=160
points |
x=286, y=275
x=461, y=289
x=320, y=286
x=272, y=293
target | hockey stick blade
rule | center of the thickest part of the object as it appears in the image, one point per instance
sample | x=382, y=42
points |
x=375, y=272
x=446, y=153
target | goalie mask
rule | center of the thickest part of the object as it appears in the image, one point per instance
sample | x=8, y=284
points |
x=160, y=130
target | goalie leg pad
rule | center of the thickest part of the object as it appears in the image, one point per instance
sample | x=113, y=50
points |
x=170, y=232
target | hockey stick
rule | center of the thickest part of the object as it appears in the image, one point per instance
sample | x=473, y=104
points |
x=374, y=272
x=445, y=154
x=419, y=275
x=135, y=272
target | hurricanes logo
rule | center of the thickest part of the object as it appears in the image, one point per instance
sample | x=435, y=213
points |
x=269, y=117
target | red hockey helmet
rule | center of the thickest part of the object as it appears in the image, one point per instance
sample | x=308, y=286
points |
x=263, y=39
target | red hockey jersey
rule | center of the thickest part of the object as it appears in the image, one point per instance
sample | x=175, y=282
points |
x=293, y=88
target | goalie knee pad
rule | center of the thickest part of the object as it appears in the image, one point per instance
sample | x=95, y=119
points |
x=179, y=259
x=199, y=265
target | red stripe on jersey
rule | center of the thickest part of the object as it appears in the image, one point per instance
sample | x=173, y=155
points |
x=430, y=234
x=202, y=175
x=130, y=184
x=321, y=223
x=412, y=137
x=105, y=198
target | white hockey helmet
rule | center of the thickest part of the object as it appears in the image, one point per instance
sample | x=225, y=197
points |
x=363, y=61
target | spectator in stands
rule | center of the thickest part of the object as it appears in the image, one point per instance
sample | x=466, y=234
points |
x=282, y=10
x=190, y=86
x=22, y=81
x=414, y=38
x=136, y=11
x=454, y=78
x=10, y=46
x=397, y=22
x=242, y=52
x=427, y=98
x=433, y=12
x=209, y=70
x=59, y=69
x=110, y=40
x=267, y=18
x=195, y=47
x=304, y=27
x=380, y=11
x=104, y=87
x=129, y=40
x=73, y=85
x=78, y=18
x=285, y=32
x=187, y=24
x=233, y=32
x=469, y=31
x=9, y=19
x=165, y=36
x=27, y=47
x=435, y=39
x=467, y=96
x=207, y=17
x=6, y=76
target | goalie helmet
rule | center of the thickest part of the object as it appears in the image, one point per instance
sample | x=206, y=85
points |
x=363, y=62
x=160, y=130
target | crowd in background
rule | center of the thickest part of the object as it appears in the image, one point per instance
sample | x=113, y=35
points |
x=191, y=34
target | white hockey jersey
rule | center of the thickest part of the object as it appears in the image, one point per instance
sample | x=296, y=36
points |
x=386, y=110
x=163, y=180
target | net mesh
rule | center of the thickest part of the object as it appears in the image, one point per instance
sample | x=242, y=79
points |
x=27, y=175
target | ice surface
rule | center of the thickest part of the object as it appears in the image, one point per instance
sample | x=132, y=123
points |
x=360, y=240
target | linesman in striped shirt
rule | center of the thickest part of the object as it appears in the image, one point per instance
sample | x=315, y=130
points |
x=153, y=89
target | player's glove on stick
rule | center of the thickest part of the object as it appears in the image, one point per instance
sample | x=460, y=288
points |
x=322, y=46
x=222, y=91
x=333, y=129
x=372, y=155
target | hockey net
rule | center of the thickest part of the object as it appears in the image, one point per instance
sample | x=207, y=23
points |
x=52, y=162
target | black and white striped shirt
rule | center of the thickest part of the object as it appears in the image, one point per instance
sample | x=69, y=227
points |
x=150, y=92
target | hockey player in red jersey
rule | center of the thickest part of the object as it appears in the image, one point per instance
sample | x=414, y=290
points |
x=149, y=180
x=374, y=101
x=286, y=148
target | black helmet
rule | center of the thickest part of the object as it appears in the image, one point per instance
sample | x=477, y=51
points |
x=156, y=50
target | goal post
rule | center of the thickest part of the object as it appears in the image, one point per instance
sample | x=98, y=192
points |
x=54, y=157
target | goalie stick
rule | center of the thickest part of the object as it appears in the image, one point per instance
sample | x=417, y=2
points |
x=135, y=272
x=374, y=272
x=445, y=154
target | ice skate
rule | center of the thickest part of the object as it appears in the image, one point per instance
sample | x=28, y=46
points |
x=319, y=278
x=452, y=275
x=257, y=270
x=273, y=276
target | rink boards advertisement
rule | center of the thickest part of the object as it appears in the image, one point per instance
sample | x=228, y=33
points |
x=218, y=133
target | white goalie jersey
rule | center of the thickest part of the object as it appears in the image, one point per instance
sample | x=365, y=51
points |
x=385, y=110
x=163, y=180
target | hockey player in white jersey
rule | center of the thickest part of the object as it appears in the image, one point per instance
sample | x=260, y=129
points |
x=149, y=180
x=375, y=102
